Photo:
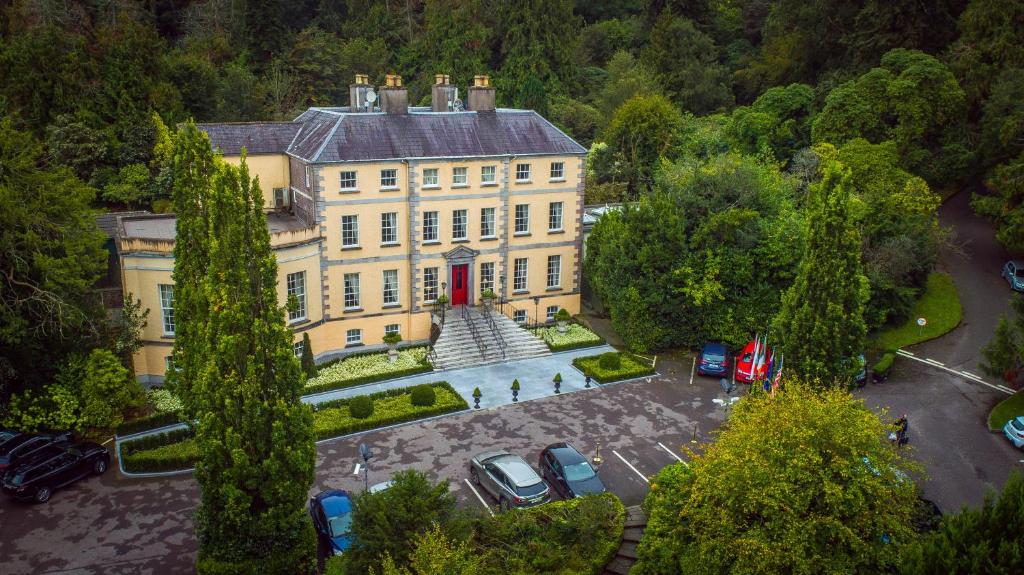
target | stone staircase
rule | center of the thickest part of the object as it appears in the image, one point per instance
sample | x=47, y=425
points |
x=625, y=557
x=457, y=347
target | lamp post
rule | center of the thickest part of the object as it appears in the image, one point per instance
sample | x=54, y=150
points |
x=536, y=312
x=444, y=306
x=501, y=295
x=366, y=454
x=597, y=456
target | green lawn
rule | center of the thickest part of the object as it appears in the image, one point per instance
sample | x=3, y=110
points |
x=1006, y=410
x=939, y=305
x=631, y=367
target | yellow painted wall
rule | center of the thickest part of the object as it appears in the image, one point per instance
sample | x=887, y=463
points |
x=540, y=205
x=369, y=230
x=371, y=287
x=368, y=182
x=272, y=170
x=445, y=215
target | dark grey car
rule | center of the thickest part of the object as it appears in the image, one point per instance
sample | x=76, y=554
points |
x=1013, y=273
x=509, y=479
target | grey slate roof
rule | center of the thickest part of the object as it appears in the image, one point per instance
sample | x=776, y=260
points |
x=255, y=137
x=334, y=135
x=108, y=222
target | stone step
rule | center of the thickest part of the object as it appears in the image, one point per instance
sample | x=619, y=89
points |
x=628, y=550
x=618, y=566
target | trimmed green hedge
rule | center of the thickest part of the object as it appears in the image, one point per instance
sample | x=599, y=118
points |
x=148, y=422
x=332, y=418
x=176, y=450
x=578, y=536
x=576, y=337
x=299, y=559
x=630, y=368
x=171, y=451
x=330, y=381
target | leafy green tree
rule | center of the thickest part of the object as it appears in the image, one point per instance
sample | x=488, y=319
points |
x=777, y=123
x=1005, y=205
x=626, y=77
x=989, y=42
x=821, y=321
x=435, y=554
x=79, y=147
x=308, y=364
x=536, y=38
x=577, y=119
x=132, y=187
x=983, y=541
x=686, y=63
x=796, y=482
x=912, y=99
x=130, y=325
x=108, y=388
x=386, y=523
x=238, y=375
x=51, y=254
x=1004, y=353
x=323, y=65
x=456, y=40
x=641, y=133
x=600, y=40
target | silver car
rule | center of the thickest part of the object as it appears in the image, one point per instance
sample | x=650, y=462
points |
x=509, y=479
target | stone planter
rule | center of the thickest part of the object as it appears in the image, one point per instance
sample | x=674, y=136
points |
x=392, y=353
x=488, y=303
x=562, y=326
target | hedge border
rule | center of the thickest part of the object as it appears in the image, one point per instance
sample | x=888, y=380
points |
x=577, y=362
x=128, y=449
x=363, y=380
x=151, y=421
x=573, y=346
x=333, y=361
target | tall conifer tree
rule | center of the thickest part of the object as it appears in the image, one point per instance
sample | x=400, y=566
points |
x=238, y=375
x=821, y=323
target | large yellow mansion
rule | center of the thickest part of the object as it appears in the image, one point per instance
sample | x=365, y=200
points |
x=377, y=208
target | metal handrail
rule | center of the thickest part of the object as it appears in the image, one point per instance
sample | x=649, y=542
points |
x=431, y=354
x=468, y=318
x=494, y=330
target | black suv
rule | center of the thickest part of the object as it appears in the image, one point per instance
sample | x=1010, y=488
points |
x=15, y=446
x=53, y=467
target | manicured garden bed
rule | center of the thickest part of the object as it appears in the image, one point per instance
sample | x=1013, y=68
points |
x=368, y=368
x=1006, y=410
x=939, y=305
x=575, y=337
x=165, y=410
x=176, y=450
x=629, y=367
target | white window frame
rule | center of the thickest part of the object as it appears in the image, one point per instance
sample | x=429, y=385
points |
x=350, y=237
x=551, y=311
x=523, y=173
x=295, y=284
x=393, y=328
x=557, y=171
x=486, y=276
x=460, y=176
x=555, y=216
x=488, y=175
x=351, y=291
x=430, y=227
x=389, y=228
x=522, y=219
x=354, y=336
x=389, y=179
x=347, y=177
x=166, y=296
x=487, y=228
x=460, y=223
x=390, y=293
x=431, y=179
x=519, y=316
x=521, y=275
x=297, y=348
x=430, y=279
x=555, y=273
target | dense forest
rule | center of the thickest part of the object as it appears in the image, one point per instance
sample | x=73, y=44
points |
x=724, y=103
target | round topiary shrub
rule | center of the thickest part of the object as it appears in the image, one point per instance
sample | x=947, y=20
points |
x=361, y=407
x=610, y=361
x=423, y=396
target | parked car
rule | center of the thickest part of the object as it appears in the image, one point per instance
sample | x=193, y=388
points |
x=1013, y=273
x=568, y=471
x=509, y=479
x=331, y=511
x=712, y=360
x=1014, y=431
x=745, y=364
x=18, y=446
x=861, y=364
x=382, y=486
x=52, y=467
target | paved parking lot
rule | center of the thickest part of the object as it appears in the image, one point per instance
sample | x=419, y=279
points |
x=115, y=525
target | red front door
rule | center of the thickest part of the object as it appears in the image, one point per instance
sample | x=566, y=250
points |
x=460, y=284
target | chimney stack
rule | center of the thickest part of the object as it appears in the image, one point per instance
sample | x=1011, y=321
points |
x=357, y=92
x=394, y=98
x=481, y=94
x=443, y=95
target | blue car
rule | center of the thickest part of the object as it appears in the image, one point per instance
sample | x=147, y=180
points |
x=712, y=360
x=331, y=511
x=1013, y=273
x=1014, y=431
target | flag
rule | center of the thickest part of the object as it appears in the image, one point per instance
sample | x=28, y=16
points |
x=778, y=374
x=768, y=377
x=753, y=359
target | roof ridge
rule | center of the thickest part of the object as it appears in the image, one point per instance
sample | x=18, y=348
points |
x=327, y=140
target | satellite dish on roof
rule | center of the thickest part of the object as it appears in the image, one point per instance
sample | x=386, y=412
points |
x=371, y=96
x=457, y=105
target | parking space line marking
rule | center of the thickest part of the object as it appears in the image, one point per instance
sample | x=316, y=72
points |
x=630, y=465
x=930, y=360
x=477, y=493
x=673, y=454
x=969, y=374
x=692, y=368
x=107, y=441
x=356, y=470
x=938, y=365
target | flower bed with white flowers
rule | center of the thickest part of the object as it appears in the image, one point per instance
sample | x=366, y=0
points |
x=575, y=337
x=166, y=410
x=369, y=368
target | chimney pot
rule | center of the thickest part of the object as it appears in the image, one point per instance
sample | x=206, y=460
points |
x=481, y=96
x=481, y=81
x=357, y=94
x=440, y=79
x=394, y=98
